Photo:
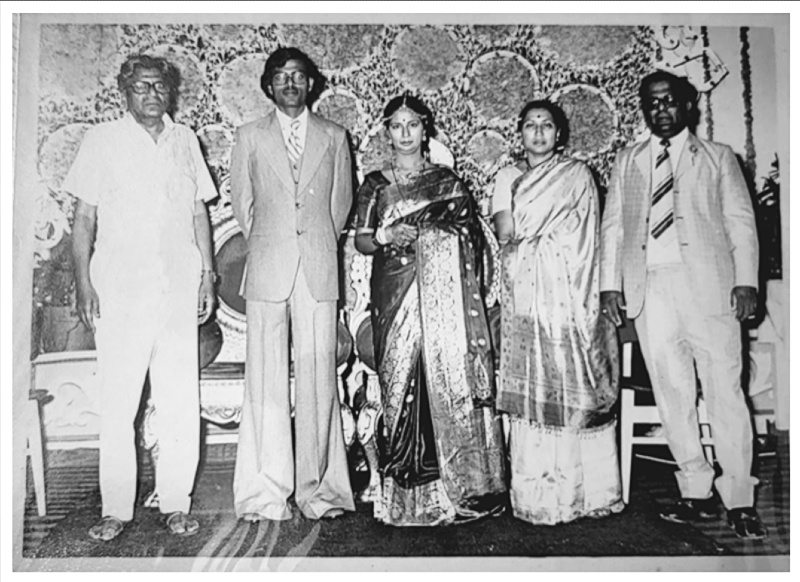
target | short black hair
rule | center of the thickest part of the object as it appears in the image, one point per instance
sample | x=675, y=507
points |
x=417, y=106
x=559, y=118
x=283, y=55
x=684, y=90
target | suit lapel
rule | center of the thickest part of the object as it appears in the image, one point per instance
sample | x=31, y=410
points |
x=687, y=160
x=641, y=160
x=317, y=142
x=275, y=151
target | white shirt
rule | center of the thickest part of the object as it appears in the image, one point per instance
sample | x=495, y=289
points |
x=145, y=192
x=676, y=143
x=286, y=126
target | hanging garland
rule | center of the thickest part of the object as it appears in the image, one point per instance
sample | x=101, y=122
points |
x=707, y=77
x=749, y=148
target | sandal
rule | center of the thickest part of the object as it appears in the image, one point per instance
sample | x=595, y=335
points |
x=107, y=528
x=180, y=523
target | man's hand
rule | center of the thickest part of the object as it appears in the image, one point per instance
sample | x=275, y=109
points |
x=744, y=301
x=207, y=298
x=88, y=304
x=611, y=304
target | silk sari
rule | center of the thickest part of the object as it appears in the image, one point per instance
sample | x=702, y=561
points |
x=442, y=447
x=558, y=373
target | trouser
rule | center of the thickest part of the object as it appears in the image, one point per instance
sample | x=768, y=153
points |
x=137, y=332
x=676, y=336
x=269, y=466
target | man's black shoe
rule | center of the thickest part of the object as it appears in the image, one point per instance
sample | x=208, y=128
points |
x=746, y=523
x=691, y=510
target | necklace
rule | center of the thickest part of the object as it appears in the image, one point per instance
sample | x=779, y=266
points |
x=406, y=173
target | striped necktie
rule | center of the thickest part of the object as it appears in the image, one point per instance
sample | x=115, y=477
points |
x=293, y=147
x=661, y=214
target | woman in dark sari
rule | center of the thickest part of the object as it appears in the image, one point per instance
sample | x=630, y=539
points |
x=443, y=459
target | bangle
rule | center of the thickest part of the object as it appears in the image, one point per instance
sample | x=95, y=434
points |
x=379, y=238
x=214, y=276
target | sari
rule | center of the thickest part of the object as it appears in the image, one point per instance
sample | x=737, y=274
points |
x=442, y=451
x=559, y=377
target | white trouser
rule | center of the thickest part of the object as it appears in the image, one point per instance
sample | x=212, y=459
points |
x=137, y=332
x=675, y=337
x=269, y=465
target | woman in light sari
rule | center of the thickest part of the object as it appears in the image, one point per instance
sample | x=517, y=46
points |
x=557, y=382
x=443, y=459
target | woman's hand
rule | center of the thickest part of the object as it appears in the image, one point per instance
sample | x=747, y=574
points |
x=401, y=235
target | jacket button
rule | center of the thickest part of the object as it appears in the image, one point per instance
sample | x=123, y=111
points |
x=297, y=204
x=299, y=231
x=644, y=247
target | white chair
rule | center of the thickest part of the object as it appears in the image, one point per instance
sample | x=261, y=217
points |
x=633, y=414
x=34, y=450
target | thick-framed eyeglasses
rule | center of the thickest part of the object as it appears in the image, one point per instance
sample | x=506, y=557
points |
x=143, y=87
x=297, y=77
x=655, y=103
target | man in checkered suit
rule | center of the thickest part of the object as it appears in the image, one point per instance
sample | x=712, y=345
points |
x=679, y=253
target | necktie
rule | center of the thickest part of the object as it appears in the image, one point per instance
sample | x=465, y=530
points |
x=661, y=215
x=293, y=147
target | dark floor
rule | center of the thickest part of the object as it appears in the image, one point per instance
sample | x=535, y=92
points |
x=74, y=504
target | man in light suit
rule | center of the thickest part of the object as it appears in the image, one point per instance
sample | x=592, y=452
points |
x=291, y=190
x=679, y=244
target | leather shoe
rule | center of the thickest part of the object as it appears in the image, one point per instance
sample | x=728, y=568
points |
x=691, y=510
x=746, y=523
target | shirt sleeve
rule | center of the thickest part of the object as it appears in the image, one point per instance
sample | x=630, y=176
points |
x=87, y=176
x=205, y=185
x=501, y=191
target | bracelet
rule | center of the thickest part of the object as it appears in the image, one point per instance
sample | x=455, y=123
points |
x=379, y=238
x=214, y=276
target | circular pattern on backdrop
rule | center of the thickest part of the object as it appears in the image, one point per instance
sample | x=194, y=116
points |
x=426, y=58
x=502, y=82
x=495, y=35
x=74, y=57
x=486, y=148
x=216, y=141
x=340, y=106
x=58, y=152
x=586, y=45
x=333, y=47
x=592, y=118
x=239, y=90
x=192, y=73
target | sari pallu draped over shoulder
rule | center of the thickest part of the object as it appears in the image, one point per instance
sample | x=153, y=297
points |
x=433, y=351
x=558, y=355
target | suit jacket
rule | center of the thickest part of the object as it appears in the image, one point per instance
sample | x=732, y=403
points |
x=714, y=222
x=286, y=223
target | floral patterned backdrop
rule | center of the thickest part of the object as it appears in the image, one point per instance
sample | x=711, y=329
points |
x=474, y=78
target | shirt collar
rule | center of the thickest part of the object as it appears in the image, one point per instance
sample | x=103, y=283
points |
x=131, y=120
x=286, y=121
x=676, y=142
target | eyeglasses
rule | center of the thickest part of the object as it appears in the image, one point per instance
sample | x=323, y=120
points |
x=654, y=103
x=143, y=87
x=297, y=77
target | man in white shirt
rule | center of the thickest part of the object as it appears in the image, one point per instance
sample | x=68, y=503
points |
x=291, y=192
x=678, y=240
x=144, y=272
